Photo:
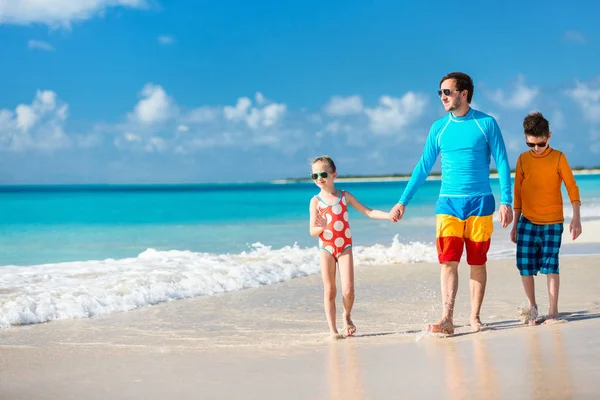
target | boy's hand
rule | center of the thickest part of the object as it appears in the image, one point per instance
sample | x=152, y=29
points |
x=575, y=228
x=513, y=234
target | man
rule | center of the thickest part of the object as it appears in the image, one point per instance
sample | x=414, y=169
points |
x=465, y=138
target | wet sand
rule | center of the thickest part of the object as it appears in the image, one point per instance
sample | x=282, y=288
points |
x=271, y=342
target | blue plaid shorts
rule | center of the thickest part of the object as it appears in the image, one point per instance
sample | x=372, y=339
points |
x=538, y=247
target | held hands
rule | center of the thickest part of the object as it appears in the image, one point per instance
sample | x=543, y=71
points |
x=506, y=216
x=397, y=212
x=575, y=227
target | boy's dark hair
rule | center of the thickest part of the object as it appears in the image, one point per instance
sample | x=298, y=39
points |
x=463, y=82
x=536, y=125
x=327, y=160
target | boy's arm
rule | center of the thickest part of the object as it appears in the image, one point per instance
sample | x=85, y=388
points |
x=518, y=201
x=566, y=174
x=369, y=212
x=315, y=223
x=498, y=150
x=564, y=169
x=423, y=167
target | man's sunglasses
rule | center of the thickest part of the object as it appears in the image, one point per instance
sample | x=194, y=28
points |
x=540, y=145
x=319, y=175
x=446, y=92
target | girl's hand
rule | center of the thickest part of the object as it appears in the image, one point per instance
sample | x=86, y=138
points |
x=320, y=220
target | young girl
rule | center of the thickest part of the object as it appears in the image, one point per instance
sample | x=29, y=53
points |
x=329, y=221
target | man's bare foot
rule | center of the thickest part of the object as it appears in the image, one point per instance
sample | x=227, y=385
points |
x=446, y=327
x=477, y=325
x=349, y=327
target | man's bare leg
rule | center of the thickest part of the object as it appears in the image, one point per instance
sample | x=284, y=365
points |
x=346, y=265
x=477, y=285
x=449, y=285
x=529, y=286
x=553, y=286
x=328, y=265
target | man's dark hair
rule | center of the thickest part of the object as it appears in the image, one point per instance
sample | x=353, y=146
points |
x=536, y=125
x=463, y=82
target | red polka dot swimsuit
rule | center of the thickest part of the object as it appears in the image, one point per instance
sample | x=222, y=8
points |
x=336, y=237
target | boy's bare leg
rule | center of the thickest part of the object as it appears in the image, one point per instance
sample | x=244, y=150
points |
x=329, y=291
x=477, y=285
x=346, y=263
x=449, y=285
x=553, y=286
x=529, y=286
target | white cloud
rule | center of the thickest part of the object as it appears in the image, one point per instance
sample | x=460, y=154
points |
x=39, y=125
x=166, y=39
x=521, y=96
x=183, y=128
x=574, y=37
x=340, y=106
x=255, y=117
x=558, y=120
x=587, y=97
x=260, y=99
x=40, y=45
x=57, y=13
x=202, y=115
x=155, y=106
x=393, y=114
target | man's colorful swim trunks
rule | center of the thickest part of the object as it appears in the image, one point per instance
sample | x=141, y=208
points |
x=464, y=222
x=336, y=237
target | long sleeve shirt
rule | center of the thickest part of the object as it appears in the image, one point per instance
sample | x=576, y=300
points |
x=465, y=144
x=538, y=179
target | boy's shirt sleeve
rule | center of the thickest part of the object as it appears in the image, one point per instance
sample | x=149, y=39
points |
x=498, y=150
x=423, y=167
x=564, y=169
x=519, y=175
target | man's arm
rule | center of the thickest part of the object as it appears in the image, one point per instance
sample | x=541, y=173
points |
x=423, y=167
x=498, y=150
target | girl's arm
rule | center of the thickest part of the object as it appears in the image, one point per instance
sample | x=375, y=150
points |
x=375, y=214
x=317, y=222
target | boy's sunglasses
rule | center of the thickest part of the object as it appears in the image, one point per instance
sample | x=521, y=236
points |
x=319, y=174
x=446, y=92
x=540, y=145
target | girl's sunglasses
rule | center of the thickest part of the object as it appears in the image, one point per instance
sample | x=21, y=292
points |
x=540, y=145
x=319, y=174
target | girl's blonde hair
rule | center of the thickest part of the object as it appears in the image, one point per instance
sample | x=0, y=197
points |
x=327, y=160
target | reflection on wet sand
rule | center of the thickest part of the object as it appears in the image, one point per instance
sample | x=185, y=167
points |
x=461, y=383
x=345, y=380
x=548, y=373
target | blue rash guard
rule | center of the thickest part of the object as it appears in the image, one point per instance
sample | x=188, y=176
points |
x=466, y=144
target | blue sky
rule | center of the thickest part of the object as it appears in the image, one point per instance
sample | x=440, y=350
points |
x=132, y=91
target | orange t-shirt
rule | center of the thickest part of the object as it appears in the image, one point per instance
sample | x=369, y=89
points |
x=538, y=179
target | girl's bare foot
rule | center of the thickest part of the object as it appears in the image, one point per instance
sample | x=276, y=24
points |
x=349, y=327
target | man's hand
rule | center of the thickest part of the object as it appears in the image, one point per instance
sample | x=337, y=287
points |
x=397, y=212
x=506, y=215
x=575, y=228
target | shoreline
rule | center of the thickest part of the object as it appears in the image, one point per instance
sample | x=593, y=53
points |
x=272, y=341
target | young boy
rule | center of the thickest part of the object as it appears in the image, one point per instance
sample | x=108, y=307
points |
x=539, y=212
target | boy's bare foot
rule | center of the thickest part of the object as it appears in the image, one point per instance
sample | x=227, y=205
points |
x=552, y=319
x=477, y=325
x=336, y=336
x=444, y=326
x=349, y=327
x=529, y=316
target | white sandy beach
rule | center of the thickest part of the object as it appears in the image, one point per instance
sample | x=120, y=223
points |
x=270, y=342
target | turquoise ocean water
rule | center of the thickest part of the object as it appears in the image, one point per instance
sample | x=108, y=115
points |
x=78, y=251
